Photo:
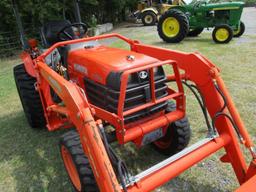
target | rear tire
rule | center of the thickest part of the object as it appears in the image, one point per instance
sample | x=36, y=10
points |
x=76, y=163
x=240, y=31
x=149, y=18
x=173, y=26
x=177, y=136
x=222, y=34
x=29, y=97
x=195, y=32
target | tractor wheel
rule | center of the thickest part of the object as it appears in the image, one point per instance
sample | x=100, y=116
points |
x=76, y=163
x=195, y=32
x=222, y=34
x=149, y=18
x=29, y=97
x=177, y=136
x=173, y=26
x=240, y=31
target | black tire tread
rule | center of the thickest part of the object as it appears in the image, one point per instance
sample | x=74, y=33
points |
x=184, y=26
x=242, y=30
x=226, y=27
x=195, y=32
x=144, y=14
x=181, y=134
x=30, y=98
x=71, y=141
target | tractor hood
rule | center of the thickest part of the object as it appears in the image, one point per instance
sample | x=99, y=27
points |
x=225, y=5
x=96, y=63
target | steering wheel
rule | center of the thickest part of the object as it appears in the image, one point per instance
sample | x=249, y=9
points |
x=81, y=31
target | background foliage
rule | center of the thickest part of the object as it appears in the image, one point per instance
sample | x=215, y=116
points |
x=36, y=12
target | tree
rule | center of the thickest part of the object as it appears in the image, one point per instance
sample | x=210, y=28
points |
x=36, y=12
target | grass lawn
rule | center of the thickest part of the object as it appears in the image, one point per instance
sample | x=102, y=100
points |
x=30, y=159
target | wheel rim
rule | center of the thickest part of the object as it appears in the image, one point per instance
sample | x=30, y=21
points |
x=166, y=140
x=71, y=168
x=237, y=31
x=148, y=19
x=163, y=144
x=222, y=34
x=171, y=27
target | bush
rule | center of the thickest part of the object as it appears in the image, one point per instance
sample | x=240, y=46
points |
x=37, y=12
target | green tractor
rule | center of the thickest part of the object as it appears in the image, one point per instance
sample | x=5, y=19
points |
x=191, y=19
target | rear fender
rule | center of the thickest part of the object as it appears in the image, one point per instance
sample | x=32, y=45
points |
x=181, y=8
x=151, y=9
x=28, y=63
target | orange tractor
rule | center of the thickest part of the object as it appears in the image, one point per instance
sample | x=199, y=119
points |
x=79, y=84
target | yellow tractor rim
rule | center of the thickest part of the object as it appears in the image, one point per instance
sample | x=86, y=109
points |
x=171, y=27
x=236, y=31
x=222, y=34
x=149, y=19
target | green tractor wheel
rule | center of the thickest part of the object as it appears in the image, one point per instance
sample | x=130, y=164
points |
x=240, y=31
x=195, y=32
x=222, y=34
x=149, y=18
x=173, y=26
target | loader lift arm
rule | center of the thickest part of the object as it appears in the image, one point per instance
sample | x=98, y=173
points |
x=80, y=115
x=197, y=69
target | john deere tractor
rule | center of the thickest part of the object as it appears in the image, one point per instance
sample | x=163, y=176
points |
x=191, y=19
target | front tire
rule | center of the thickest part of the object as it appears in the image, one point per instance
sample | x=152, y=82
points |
x=240, y=31
x=177, y=136
x=173, y=26
x=29, y=97
x=76, y=163
x=149, y=18
x=222, y=34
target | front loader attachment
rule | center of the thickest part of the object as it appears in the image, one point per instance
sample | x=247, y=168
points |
x=227, y=128
x=249, y=185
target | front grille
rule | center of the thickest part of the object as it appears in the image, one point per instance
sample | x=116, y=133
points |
x=137, y=94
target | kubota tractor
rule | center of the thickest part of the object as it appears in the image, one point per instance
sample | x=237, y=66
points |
x=79, y=84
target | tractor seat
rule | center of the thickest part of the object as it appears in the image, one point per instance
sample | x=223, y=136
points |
x=49, y=32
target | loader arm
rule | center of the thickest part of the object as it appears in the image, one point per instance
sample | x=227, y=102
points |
x=79, y=113
x=196, y=69
x=205, y=75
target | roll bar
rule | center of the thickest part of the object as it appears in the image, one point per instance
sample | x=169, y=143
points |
x=23, y=38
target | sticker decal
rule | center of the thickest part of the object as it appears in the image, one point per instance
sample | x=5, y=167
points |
x=55, y=84
x=52, y=81
x=81, y=69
